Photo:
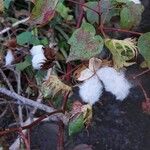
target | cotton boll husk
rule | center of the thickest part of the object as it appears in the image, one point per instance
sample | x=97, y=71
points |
x=35, y=50
x=9, y=58
x=90, y=90
x=114, y=82
x=38, y=60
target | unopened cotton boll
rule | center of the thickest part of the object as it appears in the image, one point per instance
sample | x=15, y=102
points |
x=90, y=90
x=9, y=58
x=114, y=82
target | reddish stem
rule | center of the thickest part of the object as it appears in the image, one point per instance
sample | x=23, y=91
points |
x=80, y=18
x=24, y=139
x=121, y=30
x=11, y=130
x=68, y=72
x=141, y=73
x=65, y=102
x=144, y=92
x=83, y=5
x=60, y=145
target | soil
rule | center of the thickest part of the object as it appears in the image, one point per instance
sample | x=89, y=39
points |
x=115, y=126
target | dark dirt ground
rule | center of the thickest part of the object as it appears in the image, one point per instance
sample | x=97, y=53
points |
x=115, y=126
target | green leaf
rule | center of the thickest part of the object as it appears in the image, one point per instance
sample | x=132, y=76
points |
x=92, y=16
x=27, y=37
x=76, y=125
x=90, y=13
x=24, y=37
x=7, y=3
x=136, y=11
x=126, y=18
x=144, y=47
x=84, y=43
x=43, y=11
x=23, y=65
x=40, y=75
x=44, y=41
x=64, y=11
x=122, y=1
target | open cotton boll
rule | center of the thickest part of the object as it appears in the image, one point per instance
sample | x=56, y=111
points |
x=90, y=90
x=35, y=50
x=38, y=60
x=9, y=58
x=114, y=82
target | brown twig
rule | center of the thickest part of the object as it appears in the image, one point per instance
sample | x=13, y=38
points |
x=14, y=25
x=12, y=130
x=26, y=101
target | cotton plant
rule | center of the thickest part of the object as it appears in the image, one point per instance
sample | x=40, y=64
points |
x=97, y=77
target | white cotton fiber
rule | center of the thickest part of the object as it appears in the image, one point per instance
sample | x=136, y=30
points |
x=38, y=57
x=136, y=1
x=114, y=82
x=38, y=49
x=90, y=90
x=9, y=58
x=37, y=61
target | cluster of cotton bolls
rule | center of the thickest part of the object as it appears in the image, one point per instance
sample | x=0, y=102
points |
x=38, y=57
x=106, y=77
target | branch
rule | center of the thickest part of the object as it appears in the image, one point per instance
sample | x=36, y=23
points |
x=26, y=101
x=6, y=80
x=14, y=25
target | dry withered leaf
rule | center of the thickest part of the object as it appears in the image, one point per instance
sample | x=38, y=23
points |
x=94, y=64
x=76, y=108
x=1, y=5
x=80, y=68
x=54, y=85
x=50, y=55
x=11, y=44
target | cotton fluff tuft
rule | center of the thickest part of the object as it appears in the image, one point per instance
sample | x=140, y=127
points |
x=136, y=1
x=38, y=49
x=9, y=58
x=38, y=57
x=114, y=82
x=90, y=90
